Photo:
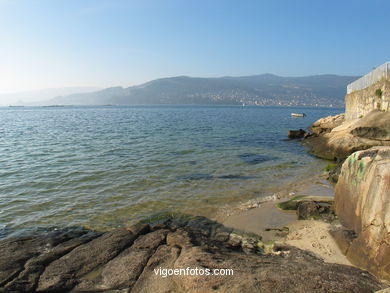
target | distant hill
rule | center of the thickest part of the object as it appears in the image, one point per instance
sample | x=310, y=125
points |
x=34, y=97
x=264, y=89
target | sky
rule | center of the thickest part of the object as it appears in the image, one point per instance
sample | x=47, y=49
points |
x=103, y=43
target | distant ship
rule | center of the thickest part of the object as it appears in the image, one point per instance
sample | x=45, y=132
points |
x=298, y=114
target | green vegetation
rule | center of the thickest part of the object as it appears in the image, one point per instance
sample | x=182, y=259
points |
x=330, y=167
x=290, y=204
x=245, y=234
x=378, y=93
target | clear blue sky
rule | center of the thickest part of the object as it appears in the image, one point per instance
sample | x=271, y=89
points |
x=58, y=43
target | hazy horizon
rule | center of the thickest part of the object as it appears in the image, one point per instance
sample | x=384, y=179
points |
x=261, y=89
x=40, y=95
x=32, y=97
x=93, y=88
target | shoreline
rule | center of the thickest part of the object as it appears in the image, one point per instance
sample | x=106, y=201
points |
x=283, y=227
x=313, y=185
x=127, y=258
x=220, y=210
x=259, y=238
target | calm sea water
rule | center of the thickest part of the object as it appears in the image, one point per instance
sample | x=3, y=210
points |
x=103, y=167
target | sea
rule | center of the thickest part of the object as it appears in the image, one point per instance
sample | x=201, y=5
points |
x=104, y=167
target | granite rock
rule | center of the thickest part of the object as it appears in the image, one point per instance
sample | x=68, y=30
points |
x=127, y=260
x=362, y=203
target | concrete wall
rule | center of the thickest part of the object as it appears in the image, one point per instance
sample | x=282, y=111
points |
x=379, y=73
x=359, y=103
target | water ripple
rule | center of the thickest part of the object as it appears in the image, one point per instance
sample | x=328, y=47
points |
x=102, y=167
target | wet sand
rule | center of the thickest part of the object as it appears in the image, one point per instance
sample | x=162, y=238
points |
x=257, y=220
x=274, y=224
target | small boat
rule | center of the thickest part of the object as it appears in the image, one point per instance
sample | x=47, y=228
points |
x=298, y=114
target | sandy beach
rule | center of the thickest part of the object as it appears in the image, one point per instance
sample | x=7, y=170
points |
x=276, y=225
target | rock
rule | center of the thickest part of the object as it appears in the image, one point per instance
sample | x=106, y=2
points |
x=325, y=125
x=124, y=270
x=351, y=136
x=292, y=203
x=373, y=132
x=343, y=238
x=64, y=272
x=308, y=210
x=386, y=290
x=293, y=134
x=362, y=203
x=334, y=173
x=310, y=207
x=23, y=259
x=139, y=259
x=280, y=232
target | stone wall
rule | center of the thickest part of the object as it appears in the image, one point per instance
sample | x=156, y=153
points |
x=362, y=203
x=359, y=103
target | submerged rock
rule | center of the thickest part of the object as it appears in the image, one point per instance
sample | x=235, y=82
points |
x=254, y=159
x=293, y=134
x=136, y=259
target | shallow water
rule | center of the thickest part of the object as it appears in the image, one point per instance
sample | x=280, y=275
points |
x=103, y=167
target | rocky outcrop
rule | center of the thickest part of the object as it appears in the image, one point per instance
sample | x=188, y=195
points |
x=325, y=125
x=362, y=203
x=127, y=260
x=351, y=136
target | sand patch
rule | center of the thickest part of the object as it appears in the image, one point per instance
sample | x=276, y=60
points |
x=314, y=236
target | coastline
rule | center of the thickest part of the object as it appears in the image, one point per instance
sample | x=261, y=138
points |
x=127, y=258
x=256, y=238
x=313, y=185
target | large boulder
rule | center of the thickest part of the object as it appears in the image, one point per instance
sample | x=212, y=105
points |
x=362, y=203
x=351, y=136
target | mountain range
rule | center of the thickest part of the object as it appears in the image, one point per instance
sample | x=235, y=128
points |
x=265, y=89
